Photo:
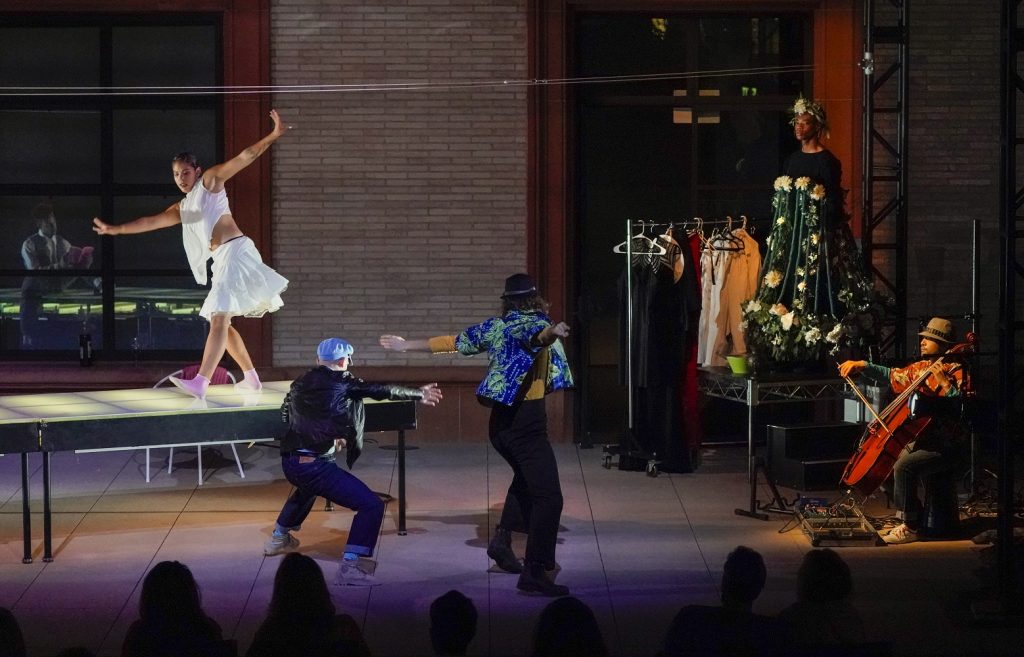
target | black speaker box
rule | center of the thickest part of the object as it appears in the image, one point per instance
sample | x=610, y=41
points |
x=811, y=456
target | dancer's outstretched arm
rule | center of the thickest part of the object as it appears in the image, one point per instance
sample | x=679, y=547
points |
x=169, y=217
x=398, y=343
x=215, y=177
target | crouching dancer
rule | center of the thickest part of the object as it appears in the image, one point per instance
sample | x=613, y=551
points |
x=325, y=413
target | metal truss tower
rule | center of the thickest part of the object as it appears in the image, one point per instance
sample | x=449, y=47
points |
x=1011, y=198
x=884, y=192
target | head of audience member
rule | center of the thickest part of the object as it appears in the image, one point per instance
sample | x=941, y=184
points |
x=45, y=220
x=452, y=624
x=12, y=642
x=300, y=593
x=567, y=628
x=76, y=651
x=823, y=577
x=743, y=578
x=170, y=596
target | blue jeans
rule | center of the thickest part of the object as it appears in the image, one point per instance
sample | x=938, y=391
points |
x=322, y=477
x=918, y=465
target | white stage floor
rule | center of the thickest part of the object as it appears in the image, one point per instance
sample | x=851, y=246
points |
x=635, y=548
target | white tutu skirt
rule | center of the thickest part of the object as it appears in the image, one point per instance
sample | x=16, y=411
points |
x=241, y=284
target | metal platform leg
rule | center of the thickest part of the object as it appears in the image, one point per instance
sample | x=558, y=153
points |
x=238, y=461
x=26, y=513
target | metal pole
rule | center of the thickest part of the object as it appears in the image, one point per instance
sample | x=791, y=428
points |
x=629, y=327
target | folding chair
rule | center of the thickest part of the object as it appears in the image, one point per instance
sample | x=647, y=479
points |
x=220, y=376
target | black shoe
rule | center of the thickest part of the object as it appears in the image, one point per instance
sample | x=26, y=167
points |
x=534, y=579
x=500, y=549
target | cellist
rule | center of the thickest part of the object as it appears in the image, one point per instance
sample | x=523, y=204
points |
x=941, y=448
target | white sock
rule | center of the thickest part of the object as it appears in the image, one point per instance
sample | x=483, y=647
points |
x=250, y=376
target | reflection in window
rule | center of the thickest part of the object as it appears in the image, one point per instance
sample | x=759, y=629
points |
x=159, y=313
x=164, y=56
x=103, y=156
x=146, y=140
x=158, y=249
x=48, y=310
x=49, y=57
x=50, y=147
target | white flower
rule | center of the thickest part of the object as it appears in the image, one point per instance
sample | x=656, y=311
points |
x=783, y=183
x=780, y=220
x=818, y=192
x=835, y=334
x=802, y=285
x=753, y=306
x=812, y=335
x=778, y=309
x=788, y=319
x=773, y=278
x=814, y=238
x=802, y=182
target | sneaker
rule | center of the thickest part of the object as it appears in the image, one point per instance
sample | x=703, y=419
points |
x=248, y=386
x=356, y=573
x=195, y=387
x=900, y=535
x=280, y=545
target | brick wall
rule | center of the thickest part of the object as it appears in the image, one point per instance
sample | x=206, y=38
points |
x=403, y=210
x=397, y=210
x=954, y=156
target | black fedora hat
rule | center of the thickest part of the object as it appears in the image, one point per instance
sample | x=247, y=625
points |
x=519, y=285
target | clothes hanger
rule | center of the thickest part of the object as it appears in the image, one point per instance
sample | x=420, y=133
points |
x=640, y=244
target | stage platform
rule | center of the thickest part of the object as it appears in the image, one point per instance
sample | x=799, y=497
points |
x=635, y=548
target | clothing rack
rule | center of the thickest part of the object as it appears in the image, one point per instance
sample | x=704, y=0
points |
x=696, y=223
x=643, y=225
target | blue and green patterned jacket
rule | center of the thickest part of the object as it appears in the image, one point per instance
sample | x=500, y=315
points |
x=507, y=343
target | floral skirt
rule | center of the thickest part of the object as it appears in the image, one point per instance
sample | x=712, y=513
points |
x=814, y=296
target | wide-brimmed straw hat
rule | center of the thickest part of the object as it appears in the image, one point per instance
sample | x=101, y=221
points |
x=940, y=330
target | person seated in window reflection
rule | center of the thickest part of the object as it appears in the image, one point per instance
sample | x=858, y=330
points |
x=241, y=285
x=45, y=250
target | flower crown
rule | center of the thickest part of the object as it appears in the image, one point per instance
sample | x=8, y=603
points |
x=808, y=106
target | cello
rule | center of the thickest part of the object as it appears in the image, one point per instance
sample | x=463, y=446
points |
x=892, y=429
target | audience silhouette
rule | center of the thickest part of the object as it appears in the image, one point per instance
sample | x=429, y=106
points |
x=822, y=621
x=172, y=622
x=12, y=643
x=452, y=624
x=731, y=629
x=567, y=628
x=76, y=651
x=302, y=620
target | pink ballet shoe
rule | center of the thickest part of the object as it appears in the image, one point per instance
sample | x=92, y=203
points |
x=245, y=385
x=195, y=387
x=250, y=382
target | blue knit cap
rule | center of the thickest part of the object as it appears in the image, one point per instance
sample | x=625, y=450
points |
x=334, y=349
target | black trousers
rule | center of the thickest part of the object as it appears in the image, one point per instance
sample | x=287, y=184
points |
x=534, y=501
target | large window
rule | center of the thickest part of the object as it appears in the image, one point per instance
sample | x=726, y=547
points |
x=667, y=148
x=81, y=141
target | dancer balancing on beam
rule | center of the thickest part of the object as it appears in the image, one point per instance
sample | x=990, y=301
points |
x=241, y=285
